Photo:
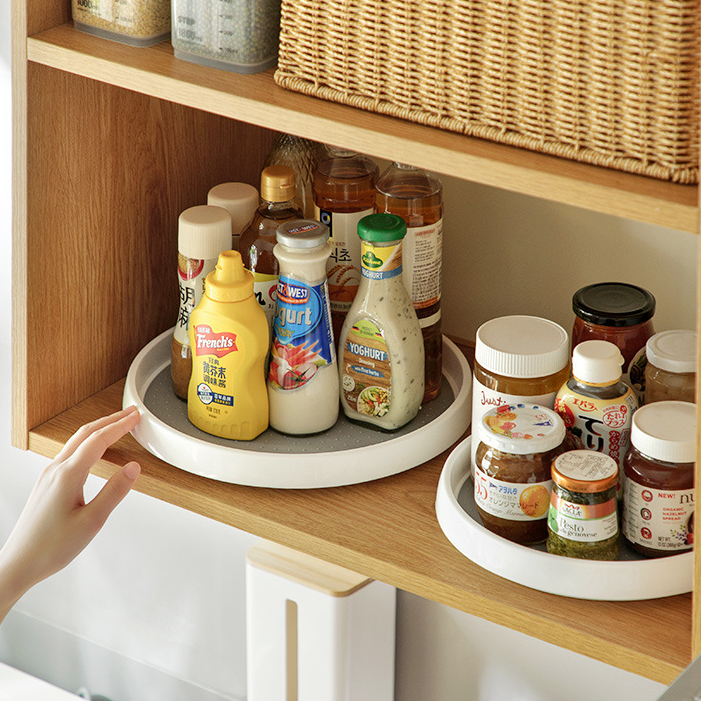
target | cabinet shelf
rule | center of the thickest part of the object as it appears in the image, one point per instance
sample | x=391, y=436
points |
x=258, y=100
x=387, y=529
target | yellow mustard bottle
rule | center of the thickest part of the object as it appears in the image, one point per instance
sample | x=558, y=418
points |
x=229, y=337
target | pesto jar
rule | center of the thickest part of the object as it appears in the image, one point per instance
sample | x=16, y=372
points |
x=583, y=515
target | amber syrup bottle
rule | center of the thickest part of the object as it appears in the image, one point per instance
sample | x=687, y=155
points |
x=417, y=197
x=344, y=193
x=277, y=192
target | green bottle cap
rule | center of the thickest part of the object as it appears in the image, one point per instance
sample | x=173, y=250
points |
x=381, y=228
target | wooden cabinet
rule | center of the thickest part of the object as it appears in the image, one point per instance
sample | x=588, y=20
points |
x=111, y=143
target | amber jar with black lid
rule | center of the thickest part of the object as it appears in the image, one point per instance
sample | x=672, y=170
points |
x=516, y=448
x=658, y=491
x=620, y=313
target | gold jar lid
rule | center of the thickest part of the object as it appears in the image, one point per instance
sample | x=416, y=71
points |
x=277, y=184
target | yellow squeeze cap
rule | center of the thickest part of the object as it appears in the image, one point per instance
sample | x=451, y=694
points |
x=229, y=281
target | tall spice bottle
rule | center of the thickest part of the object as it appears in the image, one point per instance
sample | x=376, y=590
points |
x=344, y=193
x=277, y=192
x=417, y=197
x=204, y=231
x=241, y=201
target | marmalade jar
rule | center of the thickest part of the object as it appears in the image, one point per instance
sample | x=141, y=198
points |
x=621, y=314
x=658, y=492
x=583, y=515
x=671, y=367
x=518, y=359
x=517, y=445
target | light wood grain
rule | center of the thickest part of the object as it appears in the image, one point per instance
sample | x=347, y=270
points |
x=109, y=172
x=256, y=99
x=387, y=530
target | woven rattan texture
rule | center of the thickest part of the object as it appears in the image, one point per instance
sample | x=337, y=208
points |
x=608, y=82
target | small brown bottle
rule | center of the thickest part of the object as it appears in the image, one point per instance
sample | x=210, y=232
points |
x=417, y=197
x=277, y=192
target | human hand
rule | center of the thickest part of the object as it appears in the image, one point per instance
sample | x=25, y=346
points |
x=56, y=523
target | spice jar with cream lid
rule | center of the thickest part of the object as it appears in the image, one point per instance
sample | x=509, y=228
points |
x=516, y=447
x=518, y=360
x=671, y=367
x=658, y=492
x=583, y=515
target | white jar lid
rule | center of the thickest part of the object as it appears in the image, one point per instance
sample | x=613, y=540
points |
x=522, y=346
x=673, y=351
x=239, y=199
x=521, y=429
x=204, y=231
x=666, y=431
x=597, y=362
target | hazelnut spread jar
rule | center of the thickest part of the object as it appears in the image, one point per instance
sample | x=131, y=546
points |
x=518, y=359
x=621, y=314
x=658, y=496
x=583, y=516
x=516, y=447
x=671, y=367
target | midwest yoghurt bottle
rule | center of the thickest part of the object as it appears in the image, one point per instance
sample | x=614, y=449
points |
x=303, y=373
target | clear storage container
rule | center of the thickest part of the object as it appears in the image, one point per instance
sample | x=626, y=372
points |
x=135, y=22
x=236, y=35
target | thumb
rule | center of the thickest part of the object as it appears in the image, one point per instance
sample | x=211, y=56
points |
x=115, y=489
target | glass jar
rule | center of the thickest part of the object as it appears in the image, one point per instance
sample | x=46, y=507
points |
x=517, y=445
x=518, y=359
x=621, y=314
x=583, y=516
x=658, y=493
x=671, y=367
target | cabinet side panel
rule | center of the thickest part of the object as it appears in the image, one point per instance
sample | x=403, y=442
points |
x=44, y=14
x=109, y=171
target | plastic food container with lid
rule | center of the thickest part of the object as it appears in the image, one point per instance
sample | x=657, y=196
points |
x=516, y=447
x=239, y=36
x=621, y=314
x=135, y=22
x=518, y=360
x=671, y=366
x=658, y=492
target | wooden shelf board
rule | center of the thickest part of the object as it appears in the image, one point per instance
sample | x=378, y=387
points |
x=258, y=100
x=387, y=530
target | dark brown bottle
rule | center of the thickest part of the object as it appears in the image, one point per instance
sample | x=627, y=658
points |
x=417, y=197
x=344, y=193
x=277, y=192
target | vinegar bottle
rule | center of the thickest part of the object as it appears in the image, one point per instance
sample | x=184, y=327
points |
x=417, y=197
x=277, y=192
x=344, y=193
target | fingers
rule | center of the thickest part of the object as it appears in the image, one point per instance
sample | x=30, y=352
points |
x=115, y=489
x=100, y=438
x=88, y=429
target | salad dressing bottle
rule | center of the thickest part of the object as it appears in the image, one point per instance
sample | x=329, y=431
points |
x=381, y=350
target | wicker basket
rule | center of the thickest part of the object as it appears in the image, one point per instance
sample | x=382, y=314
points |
x=608, y=82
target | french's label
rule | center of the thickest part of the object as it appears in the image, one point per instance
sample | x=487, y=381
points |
x=207, y=342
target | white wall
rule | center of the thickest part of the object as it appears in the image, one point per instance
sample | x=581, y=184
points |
x=154, y=608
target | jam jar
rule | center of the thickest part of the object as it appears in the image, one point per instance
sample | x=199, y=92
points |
x=658, y=492
x=518, y=359
x=517, y=445
x=619, y=313
x=583, y=515
x=671, y=366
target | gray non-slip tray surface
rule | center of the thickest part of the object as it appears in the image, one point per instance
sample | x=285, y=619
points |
x=344, y=435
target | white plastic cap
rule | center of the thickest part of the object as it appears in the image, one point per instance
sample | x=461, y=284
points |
x=522, y=429
x=666, y=431
x=204, y=232
x=239, y=199
x=597, y=362
x=673, y=351
x=522, y=346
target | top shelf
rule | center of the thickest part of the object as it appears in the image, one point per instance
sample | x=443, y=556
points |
x=256, y=99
